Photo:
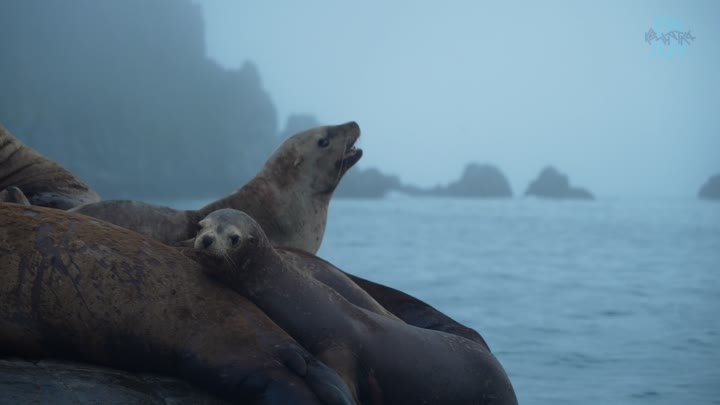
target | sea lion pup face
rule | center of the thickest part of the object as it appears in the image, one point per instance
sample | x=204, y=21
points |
x=226, y=234
x=316, y=158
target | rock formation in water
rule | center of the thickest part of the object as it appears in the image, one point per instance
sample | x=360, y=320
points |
x=477, y=181
x=553, y=184
x=123, y=95
x=367, y=183
x=711, y=189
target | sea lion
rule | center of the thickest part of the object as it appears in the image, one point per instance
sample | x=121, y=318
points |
x=218, y=234
x=414, y=311
x=383, y=360
x=43, y=181
x=75, y=287
x=13, y=195
x=364, y=293
x=289, y=197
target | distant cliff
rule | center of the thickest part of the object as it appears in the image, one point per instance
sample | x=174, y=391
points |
x=711, y=189
x=122, y=93
x=550, y=183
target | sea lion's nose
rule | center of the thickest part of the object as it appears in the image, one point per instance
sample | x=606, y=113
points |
x=207, y=240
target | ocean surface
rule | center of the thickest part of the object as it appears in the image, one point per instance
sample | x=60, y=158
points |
x=605, y=302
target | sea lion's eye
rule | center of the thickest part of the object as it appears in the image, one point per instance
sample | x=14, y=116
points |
x=234, y=239
x=323, y=142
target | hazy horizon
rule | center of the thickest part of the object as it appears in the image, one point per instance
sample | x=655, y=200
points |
x=436, y=86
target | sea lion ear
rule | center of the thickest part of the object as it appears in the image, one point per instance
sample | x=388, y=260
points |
x=297, y=161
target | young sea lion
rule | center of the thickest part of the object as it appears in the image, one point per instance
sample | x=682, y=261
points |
x=383, y=360
x=43, y=181
x=289, y=197
x=218, y=234
x=75, y=287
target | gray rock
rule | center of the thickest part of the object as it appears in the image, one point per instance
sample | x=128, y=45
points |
x=553, y=184
x=711, y=189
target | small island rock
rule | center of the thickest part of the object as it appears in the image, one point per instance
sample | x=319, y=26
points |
x=553, y=184
x=711, y=189
x=479, y=180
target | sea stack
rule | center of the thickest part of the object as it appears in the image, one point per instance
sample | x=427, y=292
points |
x=711, y=189
x=479, y=181
x=553, y=184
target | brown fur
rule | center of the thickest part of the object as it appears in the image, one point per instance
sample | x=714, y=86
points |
x=72, y=286
x=43, y=181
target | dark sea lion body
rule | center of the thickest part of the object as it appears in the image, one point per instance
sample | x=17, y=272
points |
x=61, y=382
x=289, y=197
x=414, y=311
x=401, y=305
x=74, y=287
x=383, y=360
x=44, y=182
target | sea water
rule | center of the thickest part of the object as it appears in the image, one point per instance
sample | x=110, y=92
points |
x=607, y=302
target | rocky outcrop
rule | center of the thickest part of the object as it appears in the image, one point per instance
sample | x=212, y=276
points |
x=479, y=181
x=368, y=183
x=711, y=189
x=123, y=95
x=553, y=184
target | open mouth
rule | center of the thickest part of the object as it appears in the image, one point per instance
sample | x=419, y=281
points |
x=351, y=156
x=351, y=132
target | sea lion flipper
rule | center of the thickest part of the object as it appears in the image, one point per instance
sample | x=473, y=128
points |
x=43, y=181
x=324, y=381
x=327, y=384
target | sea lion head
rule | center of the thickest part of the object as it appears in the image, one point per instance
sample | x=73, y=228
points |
x=227, y=234
x=316, y=158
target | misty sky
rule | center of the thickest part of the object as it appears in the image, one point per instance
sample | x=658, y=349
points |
x=435, y=85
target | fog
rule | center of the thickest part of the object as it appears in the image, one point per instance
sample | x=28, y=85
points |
x=435, y=85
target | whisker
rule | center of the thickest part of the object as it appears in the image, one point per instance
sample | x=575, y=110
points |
x=342, y=164
x=232, y=262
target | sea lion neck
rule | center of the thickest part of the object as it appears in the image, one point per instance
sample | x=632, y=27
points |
x=254, y=268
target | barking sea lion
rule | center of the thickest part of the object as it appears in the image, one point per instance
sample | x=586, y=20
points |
x=289, y=197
